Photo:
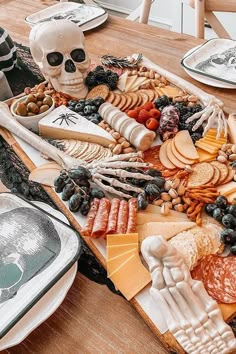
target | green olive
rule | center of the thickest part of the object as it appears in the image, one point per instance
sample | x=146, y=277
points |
x=32, y=107
x=21, y=109
x=43, y=108
x=48, y=100
x=30, y=98
x=39, y=103
x=40, y=96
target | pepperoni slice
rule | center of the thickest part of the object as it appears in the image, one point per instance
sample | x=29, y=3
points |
x=133, y=207
x=87, y=229
x=113, y=216
x=122, y=220
x=101, y=219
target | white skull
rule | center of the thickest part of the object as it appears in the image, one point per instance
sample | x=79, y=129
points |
x=59, y=50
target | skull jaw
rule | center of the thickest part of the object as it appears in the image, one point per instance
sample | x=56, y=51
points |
x=77, y=90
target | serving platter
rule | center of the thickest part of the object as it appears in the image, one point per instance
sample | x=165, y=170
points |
x=86, y=16
x=214, y=60
x=142, y=300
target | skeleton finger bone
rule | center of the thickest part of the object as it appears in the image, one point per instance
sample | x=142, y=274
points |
x=125, y=164
x=121, y=173
x=114, y=182
x=111, y=189
x=202, y=119
x=211, y=119
x=121, y=157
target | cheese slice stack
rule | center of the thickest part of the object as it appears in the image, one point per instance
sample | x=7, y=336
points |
x=62, y=123
x=124, y=266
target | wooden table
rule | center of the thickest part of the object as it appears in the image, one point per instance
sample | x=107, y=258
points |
x=92, y=319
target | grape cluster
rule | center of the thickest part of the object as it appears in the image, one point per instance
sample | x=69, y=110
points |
x=152, y=189
x=87, y=108
x=225, y=214
x=100, y=76
x=75, y=188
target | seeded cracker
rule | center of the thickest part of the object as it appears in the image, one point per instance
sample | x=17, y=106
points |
x=201, y=174
x=99, y=91
x=224, y=171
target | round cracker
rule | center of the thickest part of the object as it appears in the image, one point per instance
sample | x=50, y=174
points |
x=224, y=171
x=135, y=99
x=201, y=174
x=148, y=92
x=144, y=97
x=122, y=102
x=230, y=176
x=216, y=176
x=99, y=91
x=117, y=99
x=128, y=102
x=111, y=97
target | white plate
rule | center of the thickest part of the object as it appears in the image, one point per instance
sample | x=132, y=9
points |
x=48, y=304
x=89, y=16
x=201, y=53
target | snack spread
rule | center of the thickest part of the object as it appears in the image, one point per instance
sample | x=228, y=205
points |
x=148, y=157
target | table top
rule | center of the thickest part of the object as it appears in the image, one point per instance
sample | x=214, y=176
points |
x=91, y=318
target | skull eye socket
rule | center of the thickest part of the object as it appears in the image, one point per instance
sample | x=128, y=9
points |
x=78, y=55
x=55, y=58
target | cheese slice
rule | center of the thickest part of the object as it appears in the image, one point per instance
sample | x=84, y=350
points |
x=232, y=197
x=122, y=81
x=130, y=82
x=212, y=142
x=207, y=147
x=227, y=189
x=171, y=91
x=75, y=127
x=116, y=250
x=115, y=262
x=155, y=210
x=119, y=239
x=211, y=138
x=139, y=81
x=165, y=229
x=131, y=277
x=205, y=156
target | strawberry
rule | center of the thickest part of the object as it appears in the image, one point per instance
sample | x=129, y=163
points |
x=148, y=106
x=143, y=116
x=155, y=113
x=132, y=113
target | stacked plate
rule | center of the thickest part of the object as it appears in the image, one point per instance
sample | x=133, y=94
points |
x=38, y=254
x=213, y=63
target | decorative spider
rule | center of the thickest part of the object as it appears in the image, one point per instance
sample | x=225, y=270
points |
x=66, y=117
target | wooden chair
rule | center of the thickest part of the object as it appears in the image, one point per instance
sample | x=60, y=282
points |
x=143, y=12
x=204, y=10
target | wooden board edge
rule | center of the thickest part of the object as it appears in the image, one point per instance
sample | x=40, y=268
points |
x=166, y=338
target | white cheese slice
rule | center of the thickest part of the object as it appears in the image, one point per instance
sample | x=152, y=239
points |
x=140, y=81
x=130, y=82
x=165, y=229
x=62, y=123
x=122, y=81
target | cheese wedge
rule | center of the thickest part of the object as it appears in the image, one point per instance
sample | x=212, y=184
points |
x=205, y=156
x=115, y=262
x=165, y=229
x=227, y=189
x=55, y=125
x=131, y=277
x=130, y=82
x=121, y=239
x=116, y=250
x=122, y=81
x=139, y=81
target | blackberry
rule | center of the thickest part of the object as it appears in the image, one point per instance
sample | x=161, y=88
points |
x=183, y=126
x=195, y=137
x=162, y=101
x=186, y=116
x=99, y=68
x=91, y=81
x=196, y=108
x=111, y=81
x=182, y=108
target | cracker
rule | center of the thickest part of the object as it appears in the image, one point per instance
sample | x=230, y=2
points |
x=224, y=171
x=135, y=99
x=128, y=102
x=123, y=101
x=148, y=92
x=111, y=97
x=216, y=176
x=202, y=173
x=144, y=97
x=230, y=176
x=117, y=99
x=99, y=91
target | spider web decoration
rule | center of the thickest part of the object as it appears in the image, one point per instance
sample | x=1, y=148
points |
x=120, y=62
x=67, y=118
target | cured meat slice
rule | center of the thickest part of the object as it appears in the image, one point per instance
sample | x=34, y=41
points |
x=133, y=207
x=218, y=275
x=113, y=216
x=101, y=219
x=122, y=220
x=87, y=229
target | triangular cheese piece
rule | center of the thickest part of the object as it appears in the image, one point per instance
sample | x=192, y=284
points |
x=130, y=82
x=166, y=229
x=113, y=251
x=122, y=81
x=62, y=123
x=205, y=156
x=115, y=262
x=139, y=81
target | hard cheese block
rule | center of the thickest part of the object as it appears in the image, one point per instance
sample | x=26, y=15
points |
x=62, y=123
x=115, y=262
x=165, y=229
x=119, y=239
x=131, y=277
x=113, y=251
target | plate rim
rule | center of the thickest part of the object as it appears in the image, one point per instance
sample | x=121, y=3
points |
x=200, y=72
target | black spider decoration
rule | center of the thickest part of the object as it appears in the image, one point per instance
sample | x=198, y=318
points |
x=66, y=117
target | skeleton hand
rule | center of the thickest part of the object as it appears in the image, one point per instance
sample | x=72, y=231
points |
x=191, y=315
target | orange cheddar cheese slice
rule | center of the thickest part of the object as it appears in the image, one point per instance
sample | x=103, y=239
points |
x=113, y=251
x=119, y=239
x=115, y=262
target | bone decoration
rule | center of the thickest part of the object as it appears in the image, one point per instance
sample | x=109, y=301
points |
x=58, y=48
x=192, y=316
x=212, y=115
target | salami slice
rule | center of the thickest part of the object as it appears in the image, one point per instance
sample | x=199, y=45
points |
x=122, y=220
x=113, y=216
x=87, y=229
x=218, y=275
x=101, y=219
x=133, y=207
